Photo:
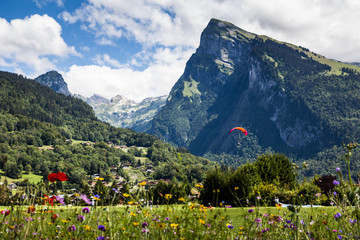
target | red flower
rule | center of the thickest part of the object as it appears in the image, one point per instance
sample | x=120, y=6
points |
x=51, y=200
x=52, y=177
x=60, y=176
x=54, y=217
x=31, y=209
x=5, y=212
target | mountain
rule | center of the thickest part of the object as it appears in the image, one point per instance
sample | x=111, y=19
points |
x=118, y=111
x=55, y=81
x=43, y=131
x=289, y=99
x=122, y=112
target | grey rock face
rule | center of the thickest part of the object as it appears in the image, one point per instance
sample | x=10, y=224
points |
x=55, y=81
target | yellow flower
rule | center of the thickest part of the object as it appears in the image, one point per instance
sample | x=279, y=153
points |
x=278, y=206
x=236, y=188
x=130, y=203
x=96, y=199
x=181, y=199
x=202, y=210
x=143, y=183
x=218, y=190
x=168, y=196
x=50, y=223
x=65, y=221
x=199, y=185
x=192, y=206
x=87, y=228
x=126, y=195
x=169, y=210
x=123, y=229
x=136, y=223
x=174, y=225
x=221, y=204
x=132, y=214
x=201, y=221
x=161, y=225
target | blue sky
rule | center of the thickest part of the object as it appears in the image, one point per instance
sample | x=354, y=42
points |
x=139, y=48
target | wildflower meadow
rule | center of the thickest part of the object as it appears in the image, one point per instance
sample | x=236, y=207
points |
x=34, y=215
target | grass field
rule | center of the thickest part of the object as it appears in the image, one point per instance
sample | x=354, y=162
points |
x=187, y=221
x=32, y=178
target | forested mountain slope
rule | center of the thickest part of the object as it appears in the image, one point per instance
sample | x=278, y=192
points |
x=43, y=131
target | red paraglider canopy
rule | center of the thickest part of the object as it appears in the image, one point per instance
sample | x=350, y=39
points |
x=239, y=128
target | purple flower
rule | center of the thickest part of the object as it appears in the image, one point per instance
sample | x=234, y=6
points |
x=288, y=221
x=265, y=230
x=338, y=169
x=86, y=199
x=336, y=182
x=258, y=197
x=115, y=190
x=144, y=224
x=100, y=238
x=80, y=218
x=167, y=218
x=85, y=210
x=258, y=220
x=97, y=196
x=145, y=230
x=353, y=221
x=339, y=236
x=337, y=215
x=335, y=193
x=250, y=210
x=230, y=226
x=72, y=228
x=101, y=227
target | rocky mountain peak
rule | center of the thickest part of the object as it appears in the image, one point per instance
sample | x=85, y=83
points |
x=273, y=88
x=55, y=81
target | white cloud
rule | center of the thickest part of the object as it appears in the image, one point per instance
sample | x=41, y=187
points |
x=42, y=3
x=105, y=59
x=31, y=41
x=327, y=27
x=155, y=80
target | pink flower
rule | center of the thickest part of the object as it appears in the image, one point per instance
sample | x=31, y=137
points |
x=86, y=199
x=60, y=200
